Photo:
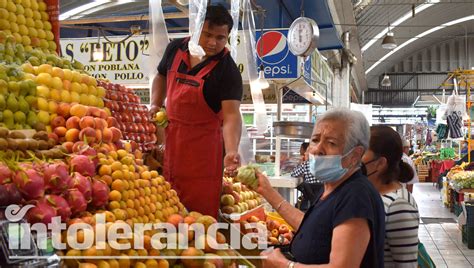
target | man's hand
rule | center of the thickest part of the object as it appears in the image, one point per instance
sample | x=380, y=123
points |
x=231, y=163
x=274, y=258
x=153, y=110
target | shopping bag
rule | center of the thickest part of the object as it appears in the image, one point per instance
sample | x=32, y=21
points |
x=442, y=131
x=424, y=259
x=441, y=114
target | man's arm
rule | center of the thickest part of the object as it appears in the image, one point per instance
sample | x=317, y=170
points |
x=231, y=131
x=158, y=93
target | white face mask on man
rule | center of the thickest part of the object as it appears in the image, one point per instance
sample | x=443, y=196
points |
x=327, y=168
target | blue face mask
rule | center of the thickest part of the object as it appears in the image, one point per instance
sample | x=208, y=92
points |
x=327, y=168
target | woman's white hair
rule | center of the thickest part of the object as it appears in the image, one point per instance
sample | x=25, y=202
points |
x=357, y=131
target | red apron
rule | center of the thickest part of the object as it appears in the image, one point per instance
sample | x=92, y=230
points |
x=193, y=154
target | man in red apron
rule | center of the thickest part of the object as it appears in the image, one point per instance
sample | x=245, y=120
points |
x=203, y=107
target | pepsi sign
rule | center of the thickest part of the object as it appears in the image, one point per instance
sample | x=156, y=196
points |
x=273, y=52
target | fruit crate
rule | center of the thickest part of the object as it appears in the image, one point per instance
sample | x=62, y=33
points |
x=469, y=214
x=468, y=236
x=259, y=212
x=276, y=217
x=423, y=172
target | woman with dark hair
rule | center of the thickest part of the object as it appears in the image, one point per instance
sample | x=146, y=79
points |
x=386, y=170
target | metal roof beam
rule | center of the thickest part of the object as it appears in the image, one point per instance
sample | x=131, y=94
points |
x=174, y=15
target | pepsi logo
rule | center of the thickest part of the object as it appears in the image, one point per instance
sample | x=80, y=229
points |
x=275, y=48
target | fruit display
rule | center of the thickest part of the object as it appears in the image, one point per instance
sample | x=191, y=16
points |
x=237, y=197
x=28, y=22
x=278, y=233
x=132, y=117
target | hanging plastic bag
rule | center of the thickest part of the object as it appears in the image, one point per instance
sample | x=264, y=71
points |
x=234, y=40
x=248, y=26
x=441, y=114
x=197, y=16
x=158, y=37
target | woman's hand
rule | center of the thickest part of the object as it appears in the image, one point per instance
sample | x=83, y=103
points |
x=263, y=183
x=274, y=258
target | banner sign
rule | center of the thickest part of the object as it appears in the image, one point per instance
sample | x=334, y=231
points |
x=128, y=62
x=124, y=62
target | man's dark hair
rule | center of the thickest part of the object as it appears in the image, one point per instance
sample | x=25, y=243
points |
x=218, y=16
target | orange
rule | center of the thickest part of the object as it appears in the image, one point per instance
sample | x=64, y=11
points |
x=115, y=195
x=116, y=166
x=118, y=185
x=105, y=170
x=113, y=205
x=117, y=175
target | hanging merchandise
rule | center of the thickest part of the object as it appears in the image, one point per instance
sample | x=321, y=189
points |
x=456, y=103
x=455, y=124
x=429, y=139
x=234, y=40
x=442, y=131
x=197, y=16
x=158, y=37
x=248, y=25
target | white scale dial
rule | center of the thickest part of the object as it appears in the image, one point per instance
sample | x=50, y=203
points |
x=302, y=36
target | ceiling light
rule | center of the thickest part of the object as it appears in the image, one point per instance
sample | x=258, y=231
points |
x=389, y=41
x=97, y=54
x=411, y=40
x=386, y=81
x=399, y=21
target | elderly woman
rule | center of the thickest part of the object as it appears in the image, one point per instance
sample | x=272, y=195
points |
x=344, y=227
x=386, y=170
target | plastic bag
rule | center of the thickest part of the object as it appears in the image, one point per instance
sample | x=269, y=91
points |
x=248, y=26
x=441, y=114
x=197, y=15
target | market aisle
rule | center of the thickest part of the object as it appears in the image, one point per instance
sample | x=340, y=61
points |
x=439, y=231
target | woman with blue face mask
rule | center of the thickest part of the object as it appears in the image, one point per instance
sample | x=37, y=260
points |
x=344, y=226
x=386, y=170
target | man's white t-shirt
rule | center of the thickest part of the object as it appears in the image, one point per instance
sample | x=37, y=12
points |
x=407, y=159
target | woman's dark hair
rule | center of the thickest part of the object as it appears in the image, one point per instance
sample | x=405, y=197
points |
x=218, y=15
x=386, y=142
x=304, y=146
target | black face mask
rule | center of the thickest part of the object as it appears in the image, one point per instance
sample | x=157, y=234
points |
x=364, y=168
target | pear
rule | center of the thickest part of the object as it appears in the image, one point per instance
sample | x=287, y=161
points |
x=3, y=87
x=19, y=117
x=8, y=119
x=1, y=116
x=31, y=119
x=12, y=103
x=32, y=101
x=24, y=88
x=23, y=105
x=3, y=103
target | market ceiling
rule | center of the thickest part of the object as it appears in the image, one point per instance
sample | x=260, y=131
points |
x=416, y=24
x=115, y=16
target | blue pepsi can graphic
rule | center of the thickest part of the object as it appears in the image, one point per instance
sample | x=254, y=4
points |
x=273, y=52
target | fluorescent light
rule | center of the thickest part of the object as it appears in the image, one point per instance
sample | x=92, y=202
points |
x=80, y=9
x=409, y=41
x=399, y=21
